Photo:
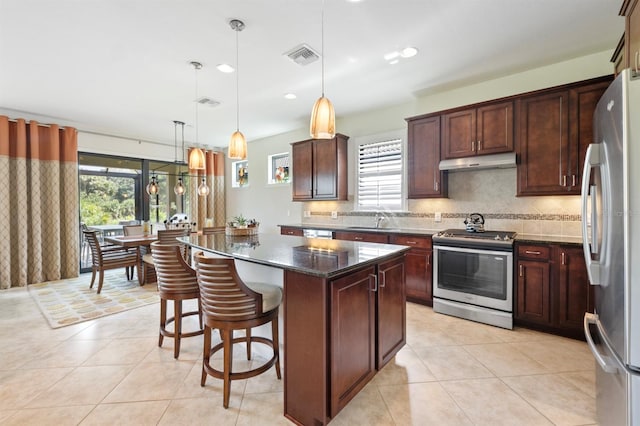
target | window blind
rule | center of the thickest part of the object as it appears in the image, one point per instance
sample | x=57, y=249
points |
x=380, y=175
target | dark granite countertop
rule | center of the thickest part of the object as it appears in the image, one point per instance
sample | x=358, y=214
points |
x=317, y=257
x=406, y=231
x=548, y=239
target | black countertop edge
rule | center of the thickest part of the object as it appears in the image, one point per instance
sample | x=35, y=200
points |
x=521, y=238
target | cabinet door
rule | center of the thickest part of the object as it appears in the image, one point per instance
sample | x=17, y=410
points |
x=459, y=134
x=325, y=169
x=418, y=267
x=533, y=303
x=543, y=131
x=302, y=183
x=583, y=101
x=574, y=289
x=425, y=180
x=352, y=336
x=632, y=30
x=391, y=321
x=494, y=132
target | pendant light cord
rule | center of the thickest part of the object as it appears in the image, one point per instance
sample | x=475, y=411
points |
x=237, y=83
x=322, y=44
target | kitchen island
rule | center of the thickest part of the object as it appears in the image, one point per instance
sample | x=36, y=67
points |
x=344, y=313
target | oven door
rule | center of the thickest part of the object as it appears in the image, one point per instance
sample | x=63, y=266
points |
x=476, y=276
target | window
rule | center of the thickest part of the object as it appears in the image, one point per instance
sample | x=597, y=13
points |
x=279, y=168
x=380, y=173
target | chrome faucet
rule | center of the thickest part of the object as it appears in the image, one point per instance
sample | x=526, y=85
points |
x=379, y=219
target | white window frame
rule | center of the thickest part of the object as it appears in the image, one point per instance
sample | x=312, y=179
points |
x=400, y=135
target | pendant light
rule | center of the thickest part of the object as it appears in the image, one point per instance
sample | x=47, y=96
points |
x=152, y=187
x=323, y=116
x=203, y=189
x=196, y=156
x=179, y=188
x=238, y=144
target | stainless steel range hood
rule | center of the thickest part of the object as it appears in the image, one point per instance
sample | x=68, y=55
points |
x=495, y=161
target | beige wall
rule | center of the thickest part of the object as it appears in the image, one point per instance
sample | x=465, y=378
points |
x=489, y=191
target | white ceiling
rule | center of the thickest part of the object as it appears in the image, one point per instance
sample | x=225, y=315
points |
x=121, y=67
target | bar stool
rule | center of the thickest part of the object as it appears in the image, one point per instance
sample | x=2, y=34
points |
x=176, y=281
x=229, y=304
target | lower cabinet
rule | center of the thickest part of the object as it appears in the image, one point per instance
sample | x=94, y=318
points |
x=552, y=290
x=369, y=237
x=391, y=301
x=288, y=230
x=418, y=267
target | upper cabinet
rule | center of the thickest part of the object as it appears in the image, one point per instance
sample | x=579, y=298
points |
x=554, y=129
x=425, y=180
x=320, y=169
x=631, y=10
x=483, y=130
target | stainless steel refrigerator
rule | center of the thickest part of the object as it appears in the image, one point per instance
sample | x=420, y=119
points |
x=611, y=236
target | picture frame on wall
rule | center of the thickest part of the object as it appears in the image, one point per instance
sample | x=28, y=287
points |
x=279, y=168
x=240, y=174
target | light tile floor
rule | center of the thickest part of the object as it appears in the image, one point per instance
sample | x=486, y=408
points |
x=451, y=372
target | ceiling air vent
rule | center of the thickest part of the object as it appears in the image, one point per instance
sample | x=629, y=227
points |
x=207, y=101
x=302, y=54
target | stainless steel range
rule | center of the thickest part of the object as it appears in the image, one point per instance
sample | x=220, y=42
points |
x=473, y=275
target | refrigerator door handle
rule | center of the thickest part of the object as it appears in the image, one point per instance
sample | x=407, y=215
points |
x=606, y=363
x=592, y=159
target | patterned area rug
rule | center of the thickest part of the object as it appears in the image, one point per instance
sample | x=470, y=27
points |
x=67, y=302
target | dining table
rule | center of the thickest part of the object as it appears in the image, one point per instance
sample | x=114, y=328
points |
x=133, y=241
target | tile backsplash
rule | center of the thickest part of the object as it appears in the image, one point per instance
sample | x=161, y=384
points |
x=488, y=192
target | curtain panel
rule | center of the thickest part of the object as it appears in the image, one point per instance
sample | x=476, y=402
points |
x=38, y=203
x=211, y=206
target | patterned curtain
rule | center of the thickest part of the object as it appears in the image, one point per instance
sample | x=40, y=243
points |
x=39, y=203
x=213, y=205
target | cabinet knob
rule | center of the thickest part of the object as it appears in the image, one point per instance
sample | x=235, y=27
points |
x=521, y=270
x=479, y=145
x=473, y=145
x=573, y=180
x=436, y=185
x=375, y=282
x=564, y=180
x=563, y=258
x=637, y=60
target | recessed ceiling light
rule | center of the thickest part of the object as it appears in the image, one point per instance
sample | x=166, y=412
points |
x=391, y=55
x=409, y=52
x=290, y=96
x=226, y=68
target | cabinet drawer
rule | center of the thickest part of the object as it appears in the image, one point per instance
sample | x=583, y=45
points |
x=291, y=231
x=533, y=252
x=409, y=240
x=361, y=236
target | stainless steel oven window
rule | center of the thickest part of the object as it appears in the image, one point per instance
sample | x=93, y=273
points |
x=479, y=272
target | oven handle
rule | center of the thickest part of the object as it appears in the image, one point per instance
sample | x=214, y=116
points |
x=473, y=250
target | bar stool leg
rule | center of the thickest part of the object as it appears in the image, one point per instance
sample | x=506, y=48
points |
x=163, y=320
x=177, y=332
x=276, y=345
x=228, y=363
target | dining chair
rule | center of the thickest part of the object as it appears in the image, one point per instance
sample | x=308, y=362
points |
x=132, y=230
x=176, y=282
x=230, y=304
x=111, y=257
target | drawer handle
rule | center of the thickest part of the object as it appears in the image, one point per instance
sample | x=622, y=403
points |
x=290, y=232
x=537, y=253
x=357, y=238
x=411, y=242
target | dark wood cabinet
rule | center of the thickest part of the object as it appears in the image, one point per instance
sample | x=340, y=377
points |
x=554, y=130
x=575, y=295
x=483, y=130
x=369, y=237
x=631, y=11
x=320, y=169
x=391, y=309
x=353, y=339
x=418, y=267
x=425, y=180
x=286, y=230
x=552, y=290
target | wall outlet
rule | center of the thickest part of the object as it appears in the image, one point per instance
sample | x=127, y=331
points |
x=438, y=217
x=307, y=213
x=334, y=215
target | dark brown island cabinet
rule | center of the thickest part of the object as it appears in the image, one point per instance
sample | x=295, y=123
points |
x=319, y=169
x=552, y=290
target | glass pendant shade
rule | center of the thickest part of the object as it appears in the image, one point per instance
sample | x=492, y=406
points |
x=203, y=189
x=179, y=188
x=152, y=187
x=323, y=119
x=196, y=159
x=237, y=146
